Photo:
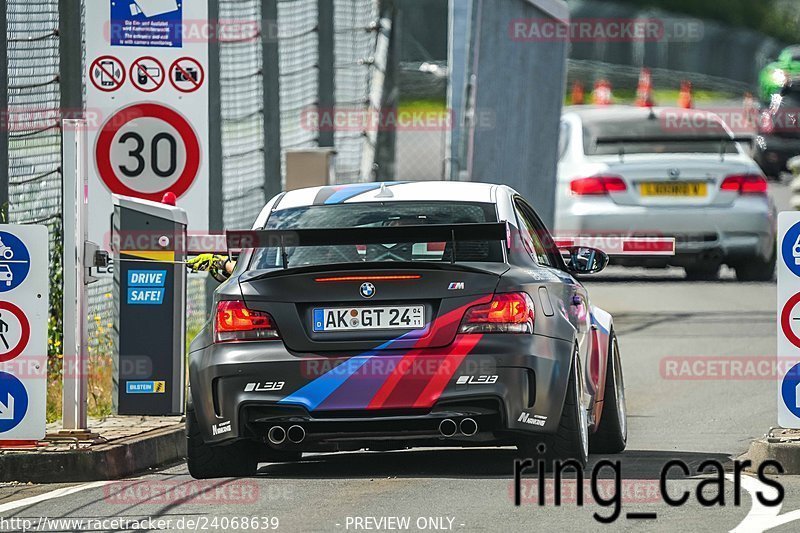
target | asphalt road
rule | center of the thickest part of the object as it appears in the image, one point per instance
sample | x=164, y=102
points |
x=674, y=413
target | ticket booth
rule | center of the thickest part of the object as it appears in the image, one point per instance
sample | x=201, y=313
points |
x=149, y=250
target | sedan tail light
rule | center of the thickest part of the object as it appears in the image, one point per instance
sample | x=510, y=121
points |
x=597, y=185
x=507, y=313
x=745, y=184
x=235, y=322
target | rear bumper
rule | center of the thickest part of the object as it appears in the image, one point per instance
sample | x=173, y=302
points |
x=743, y=230
x=493, y=390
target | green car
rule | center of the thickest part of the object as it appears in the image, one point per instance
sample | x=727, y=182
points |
x=775, y=75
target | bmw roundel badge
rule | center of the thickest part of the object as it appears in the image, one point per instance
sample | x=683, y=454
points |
x=367, y=290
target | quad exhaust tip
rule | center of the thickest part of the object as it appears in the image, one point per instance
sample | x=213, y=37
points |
x=468, y=427
x=448, y=427
x=277, y=434
x=296, y=434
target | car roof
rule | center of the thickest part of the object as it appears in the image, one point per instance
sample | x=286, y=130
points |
x=391, y=191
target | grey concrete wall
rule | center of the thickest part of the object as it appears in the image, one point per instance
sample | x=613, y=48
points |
x=518, y=93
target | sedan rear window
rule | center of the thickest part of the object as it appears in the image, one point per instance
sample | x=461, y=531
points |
x=640, y=134
x=660, y=146
x=389, y=214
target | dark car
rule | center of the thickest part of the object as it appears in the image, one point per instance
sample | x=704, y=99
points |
x=778, y=138
x=389, y=316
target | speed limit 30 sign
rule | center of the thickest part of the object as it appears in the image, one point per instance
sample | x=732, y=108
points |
x=147, y=149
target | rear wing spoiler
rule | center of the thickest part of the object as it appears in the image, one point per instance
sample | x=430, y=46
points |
x=237, y=240
x=722, y=137
x=454, y=233
x=380, y=235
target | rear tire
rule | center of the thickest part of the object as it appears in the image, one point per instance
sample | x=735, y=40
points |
x=612, y=433
x=239, y=459
x=571, y=440
x=756, y=269
x=702, y=272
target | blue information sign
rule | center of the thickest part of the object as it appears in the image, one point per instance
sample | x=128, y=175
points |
x=147, y=23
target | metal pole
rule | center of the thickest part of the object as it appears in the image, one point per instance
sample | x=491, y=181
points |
x=215, y=200
x=458, y=56
x=273, y=183
x=4, y=207
x=70, y=66
x=386, y=144
x=74, y=202
x=326, y=98
x=215, y=215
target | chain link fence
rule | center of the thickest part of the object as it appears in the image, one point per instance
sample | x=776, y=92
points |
x=241, y=80
x=32, y=118
x=355, y=33
x=298, y=72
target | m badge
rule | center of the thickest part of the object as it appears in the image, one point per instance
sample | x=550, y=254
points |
x=456, y=286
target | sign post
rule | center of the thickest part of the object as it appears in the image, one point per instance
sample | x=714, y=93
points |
x=24, y=290
x=147, y=62
x=789, y=320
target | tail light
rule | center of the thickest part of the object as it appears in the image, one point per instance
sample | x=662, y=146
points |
x=507, y=313
x=597, y=185
x=745, y=184
x=235, y=322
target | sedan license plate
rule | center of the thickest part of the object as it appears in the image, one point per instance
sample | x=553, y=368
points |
x=369, y=318
x=692, y=189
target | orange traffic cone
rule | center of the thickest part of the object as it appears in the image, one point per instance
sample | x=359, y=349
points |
x=578, y=96
x=685, y=99
x=644, y=93
x=602, y=94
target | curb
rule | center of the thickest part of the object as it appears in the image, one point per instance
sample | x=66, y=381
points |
x=786, y=453
x=114, y=460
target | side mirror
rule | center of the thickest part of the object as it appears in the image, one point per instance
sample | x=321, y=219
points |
x=584, y=260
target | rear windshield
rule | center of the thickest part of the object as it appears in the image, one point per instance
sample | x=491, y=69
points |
x=641, y=135
x=661, y=146
x=363, y=215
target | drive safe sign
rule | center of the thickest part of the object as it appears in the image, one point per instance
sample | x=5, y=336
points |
x=147, y=135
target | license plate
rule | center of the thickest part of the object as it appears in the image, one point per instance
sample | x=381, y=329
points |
x=367, y=318
x=674, y=189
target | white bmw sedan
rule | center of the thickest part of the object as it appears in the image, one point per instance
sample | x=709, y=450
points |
x=660, y=172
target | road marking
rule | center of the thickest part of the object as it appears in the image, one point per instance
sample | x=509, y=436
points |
x=761, y=517
x=58, y=493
